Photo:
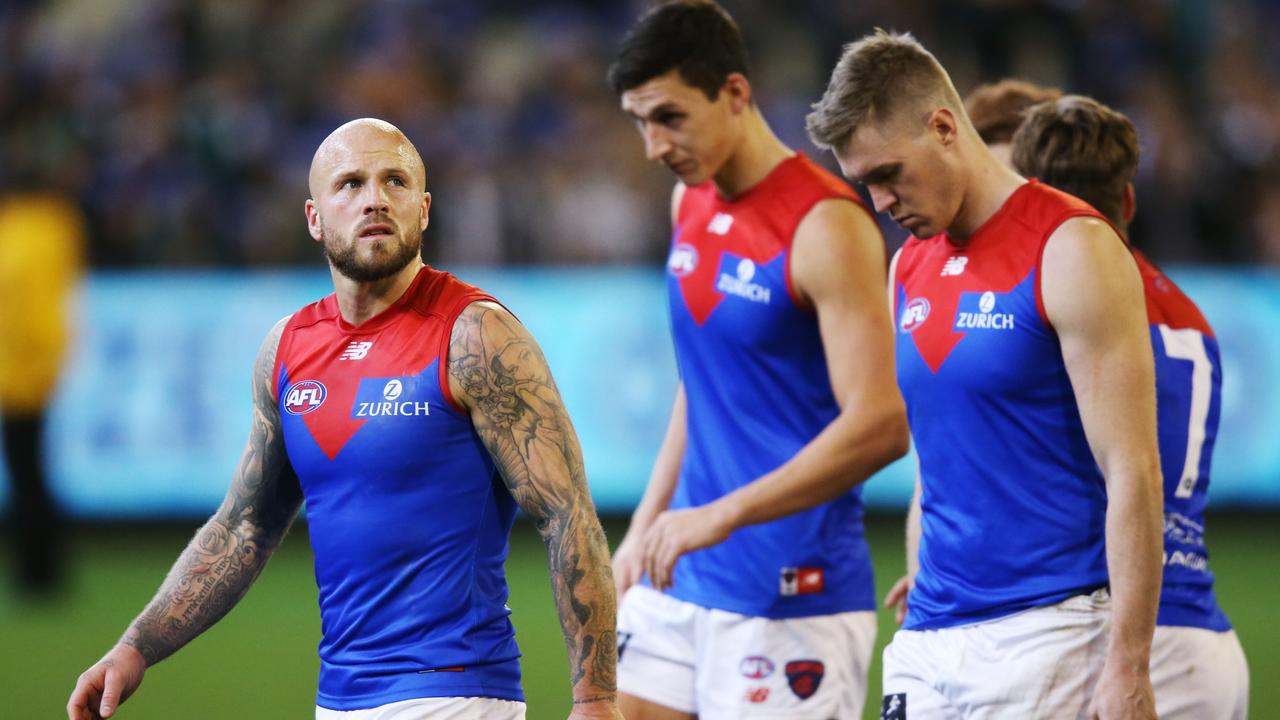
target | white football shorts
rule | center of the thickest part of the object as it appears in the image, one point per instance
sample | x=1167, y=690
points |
x=1039, y=663
x=1199, y=674
x=721, y=665
x=442, y=708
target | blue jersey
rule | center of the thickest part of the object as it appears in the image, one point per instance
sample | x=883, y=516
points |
x=1189, y=403
x=751, y=359
x=409, y=520
x=1013, y=505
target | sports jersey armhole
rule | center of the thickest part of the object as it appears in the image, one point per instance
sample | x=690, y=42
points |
x=786, y=263
x=442, y=353
x=281, y=347
x=1044, y=242
x=895, y=271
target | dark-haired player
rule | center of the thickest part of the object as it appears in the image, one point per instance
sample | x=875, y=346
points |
x=758, y=597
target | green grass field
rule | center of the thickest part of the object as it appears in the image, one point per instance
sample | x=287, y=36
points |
x=260, y=661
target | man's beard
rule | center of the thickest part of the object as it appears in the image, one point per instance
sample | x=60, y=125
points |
x=343, y=256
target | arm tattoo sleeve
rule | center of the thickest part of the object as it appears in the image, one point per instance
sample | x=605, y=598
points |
x=226, y=555
x=519, y=416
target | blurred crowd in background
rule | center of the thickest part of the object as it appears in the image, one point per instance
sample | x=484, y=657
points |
x=183, y=129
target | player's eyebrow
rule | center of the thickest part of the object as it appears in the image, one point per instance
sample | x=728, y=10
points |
x=666, y=108
x=342, y=176
x=879, y=174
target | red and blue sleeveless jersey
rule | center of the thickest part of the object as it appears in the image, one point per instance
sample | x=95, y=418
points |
x=409, y=520
x=1013, y=504
x=1188, y=403
x=751, y=360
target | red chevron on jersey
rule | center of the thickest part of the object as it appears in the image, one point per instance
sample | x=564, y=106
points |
x=699, y=284
x=934, y=335
x=405, y=339
x=332, y=424
x=943, y=273
x=757, y=225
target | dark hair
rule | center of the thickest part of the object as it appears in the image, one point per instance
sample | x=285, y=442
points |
x=1080, y=146
x=997, y=109
x=695, y=37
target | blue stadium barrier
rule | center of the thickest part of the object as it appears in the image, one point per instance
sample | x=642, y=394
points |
x=153, y=411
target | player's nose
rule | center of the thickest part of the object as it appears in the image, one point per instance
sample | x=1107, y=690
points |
x=882, y=199
x=375, y=199
x=656, y=144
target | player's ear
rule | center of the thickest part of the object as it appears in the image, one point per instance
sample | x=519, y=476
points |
x=738, y=91
x=1128, y=203
x=314, y=225
x=943, y=125
x=423, y=219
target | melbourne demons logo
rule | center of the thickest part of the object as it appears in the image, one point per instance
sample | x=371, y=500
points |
x=804, y=677
x=304, y=396
x=684, y=258
x=914, y=314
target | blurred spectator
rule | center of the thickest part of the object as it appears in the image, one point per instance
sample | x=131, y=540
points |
x=41, y=237
x=183, y=124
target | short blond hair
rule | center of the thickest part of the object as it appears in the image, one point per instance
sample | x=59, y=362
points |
x=879, y=78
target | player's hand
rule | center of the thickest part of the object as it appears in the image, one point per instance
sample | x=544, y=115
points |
x=599, y=710
x=1123, y=693
x=676, y=532
x=628, y=563
x=897, y=597
x=100, y=689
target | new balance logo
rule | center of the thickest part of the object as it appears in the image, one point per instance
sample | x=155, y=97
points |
x=356, y=350
x=955, y=265
x=720, y=224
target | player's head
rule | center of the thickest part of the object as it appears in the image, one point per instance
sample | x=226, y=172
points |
x=1083, y=147
x=681, y=73
x=997, y=109
x=896, y=124
x=368, y=204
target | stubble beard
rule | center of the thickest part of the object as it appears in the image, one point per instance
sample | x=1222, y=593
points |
x=343, y=254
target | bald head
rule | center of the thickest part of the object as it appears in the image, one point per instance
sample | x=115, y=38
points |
x=355, y=143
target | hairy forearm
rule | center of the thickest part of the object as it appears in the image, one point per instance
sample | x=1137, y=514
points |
x=848, y=451
x=209, y=578
x=582, y=584
x=1134, y=551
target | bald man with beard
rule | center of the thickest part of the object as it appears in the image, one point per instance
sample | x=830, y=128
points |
x=413, y=414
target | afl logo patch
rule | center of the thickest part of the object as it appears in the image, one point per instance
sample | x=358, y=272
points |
x=756, y=667
x=684, y=258
x=914, y=314
x=304, y=396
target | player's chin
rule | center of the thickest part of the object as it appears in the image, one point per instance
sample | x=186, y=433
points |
x=920, y=228
x=690, y=173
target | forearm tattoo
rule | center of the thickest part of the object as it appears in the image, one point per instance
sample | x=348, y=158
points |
x=519, y=416
x=229, y=552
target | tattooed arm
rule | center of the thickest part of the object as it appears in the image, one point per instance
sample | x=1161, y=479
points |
x=218, y=565
x=498, y=373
